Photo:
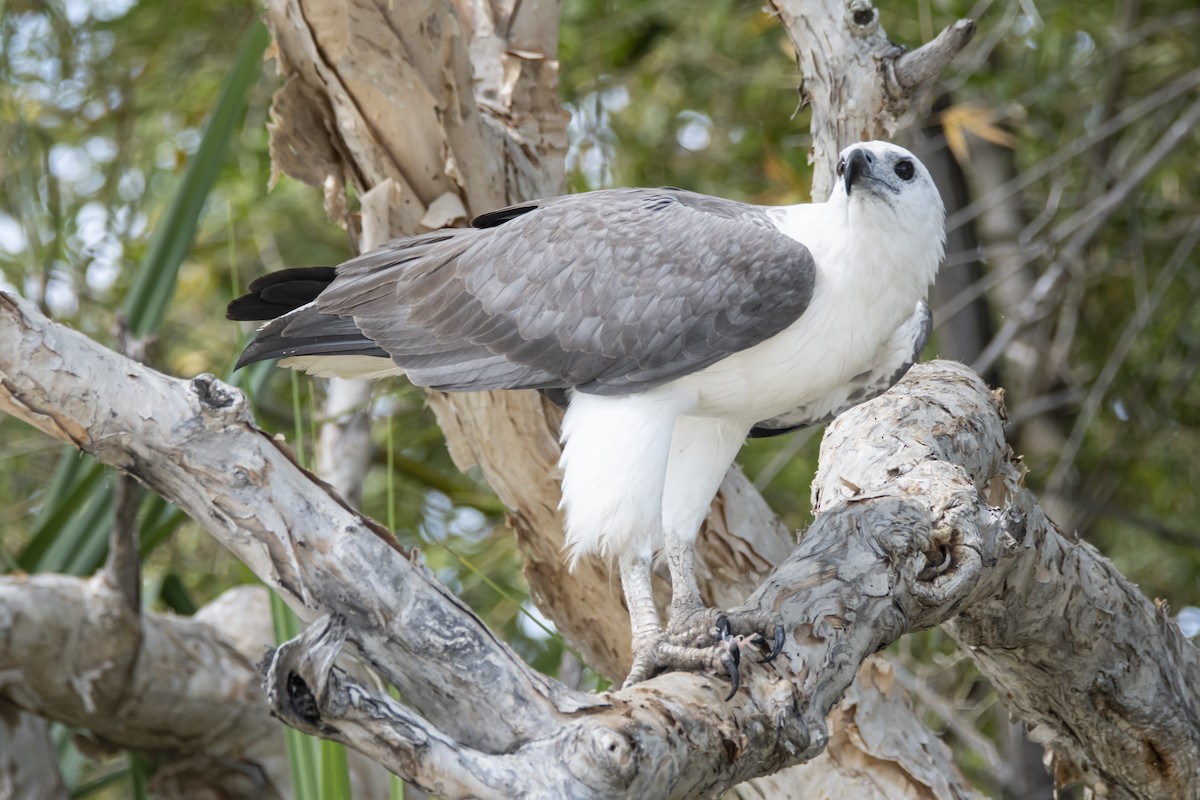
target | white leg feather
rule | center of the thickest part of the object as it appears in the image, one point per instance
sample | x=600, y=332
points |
x=614, y=465
x=702, y=450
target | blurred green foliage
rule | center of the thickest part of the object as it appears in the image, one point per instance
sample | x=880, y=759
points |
x=102, y=111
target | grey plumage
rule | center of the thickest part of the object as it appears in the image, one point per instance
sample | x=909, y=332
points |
x=669, y=320
x=589, y=291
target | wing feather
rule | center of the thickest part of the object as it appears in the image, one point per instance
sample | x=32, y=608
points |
x=610, y=292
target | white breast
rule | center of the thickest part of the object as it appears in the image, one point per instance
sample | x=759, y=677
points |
x=862, y=294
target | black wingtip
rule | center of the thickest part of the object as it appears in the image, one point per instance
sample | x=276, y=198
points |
x=250, y=308
x=276, y=293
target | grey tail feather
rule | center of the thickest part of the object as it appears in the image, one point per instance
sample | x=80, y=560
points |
x=296, y=327
x=308, y=332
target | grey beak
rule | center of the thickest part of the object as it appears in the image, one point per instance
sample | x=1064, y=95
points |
x=857, y=163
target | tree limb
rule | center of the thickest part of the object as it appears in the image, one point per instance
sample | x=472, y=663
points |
x=192, y=442
x=920, y=518
x=919, y=66
x=858, y=83
x=171, y=687
x=1104, y=675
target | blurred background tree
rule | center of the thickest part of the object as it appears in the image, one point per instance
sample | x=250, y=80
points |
x=1069, y=132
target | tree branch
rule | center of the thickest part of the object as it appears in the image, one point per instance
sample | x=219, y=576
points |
x=1104, y=676
x=920, y=518
x=192, y=442
x=919, y=66
x=858, y=83
x=74, y=651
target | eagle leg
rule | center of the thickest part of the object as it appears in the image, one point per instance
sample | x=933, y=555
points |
x=697, y=638
x=691, y=622
x=656, y=651
x=643, y=617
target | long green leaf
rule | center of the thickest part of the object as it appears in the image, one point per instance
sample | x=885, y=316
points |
x=83, y=537
x=152, y=290
x=335, y=772
x=72, y=530
x=74, y=481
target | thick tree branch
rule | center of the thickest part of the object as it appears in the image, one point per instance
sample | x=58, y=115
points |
x=73, y=651
x=921, y=519
x=192, y=442
x=184, y=692
x=1102, y=674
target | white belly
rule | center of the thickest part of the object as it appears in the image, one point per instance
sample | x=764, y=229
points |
x=833, y=341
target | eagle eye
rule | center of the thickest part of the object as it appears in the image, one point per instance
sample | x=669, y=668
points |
x=841, y=167
x=904, y=169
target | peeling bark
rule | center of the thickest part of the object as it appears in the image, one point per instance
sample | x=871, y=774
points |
x=921, y=520
x=73, y=651
x=1102, y=675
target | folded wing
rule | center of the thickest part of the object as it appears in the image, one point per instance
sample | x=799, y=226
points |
x=609, y=292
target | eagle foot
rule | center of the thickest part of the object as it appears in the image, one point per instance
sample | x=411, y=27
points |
x=709, y=640
x=708, y=626
x=661, y=654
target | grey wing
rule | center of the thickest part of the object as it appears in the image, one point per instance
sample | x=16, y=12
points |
x=897, y=355
x=609, y=292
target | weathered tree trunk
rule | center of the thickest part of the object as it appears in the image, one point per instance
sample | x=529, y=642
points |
x=916, y=526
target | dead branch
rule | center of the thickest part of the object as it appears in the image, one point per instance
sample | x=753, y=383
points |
x=921, y=519
x=73, y=651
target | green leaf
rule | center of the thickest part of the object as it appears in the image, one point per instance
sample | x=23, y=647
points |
x=335, y=771
x=75, y=479
x=152, y=290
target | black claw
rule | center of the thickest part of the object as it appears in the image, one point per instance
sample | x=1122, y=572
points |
x=724, y=632
x=730, y=660
x=776, y=648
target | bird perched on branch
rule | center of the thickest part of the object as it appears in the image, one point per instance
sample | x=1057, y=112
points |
x=672, y=324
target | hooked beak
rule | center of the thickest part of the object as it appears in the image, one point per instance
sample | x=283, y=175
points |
x=857, y=164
